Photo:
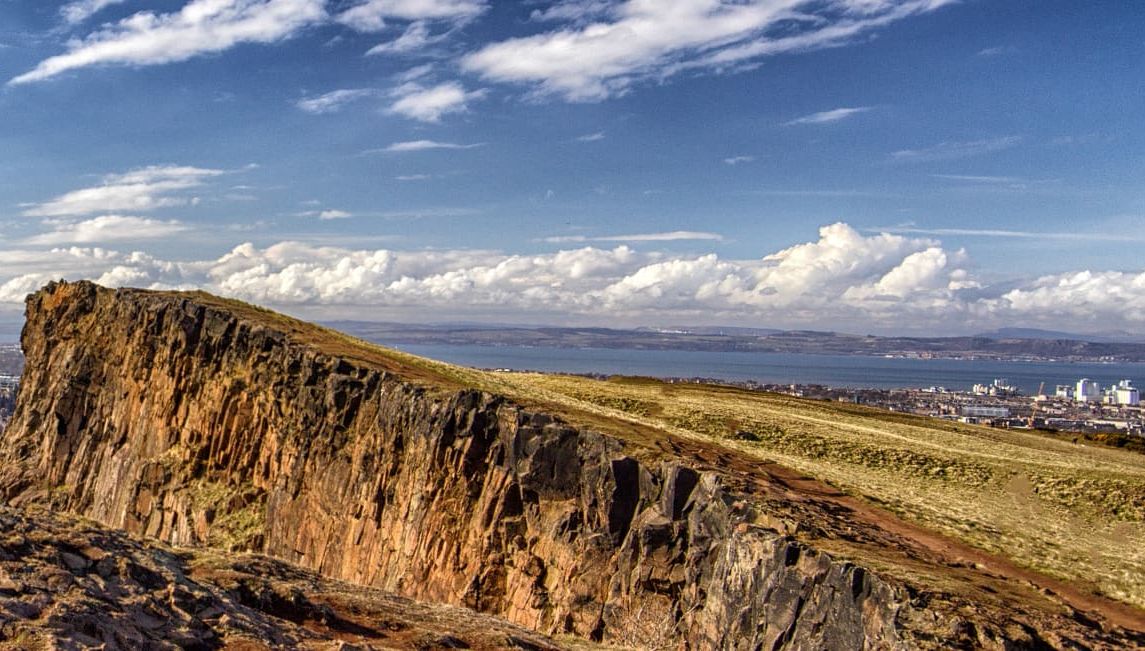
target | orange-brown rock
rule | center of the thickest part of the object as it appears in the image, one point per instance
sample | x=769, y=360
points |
x=199, y=421
x=69, y=585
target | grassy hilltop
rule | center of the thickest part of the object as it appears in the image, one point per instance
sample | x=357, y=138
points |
x=1072, y=511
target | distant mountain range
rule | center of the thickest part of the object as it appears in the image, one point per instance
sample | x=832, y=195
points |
x=1120, y=337
x=1006, y=343
x=1003, y=343
x=714, y=330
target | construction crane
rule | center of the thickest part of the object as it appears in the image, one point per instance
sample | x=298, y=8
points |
x=1034, y=407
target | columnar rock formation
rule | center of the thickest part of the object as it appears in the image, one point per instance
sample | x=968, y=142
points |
x=201, y=422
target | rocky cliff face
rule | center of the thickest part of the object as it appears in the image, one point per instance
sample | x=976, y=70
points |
x=200, y=422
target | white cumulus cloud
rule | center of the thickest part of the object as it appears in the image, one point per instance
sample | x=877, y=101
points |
x=1103, y=297
x=412, y=100
x=843, y=276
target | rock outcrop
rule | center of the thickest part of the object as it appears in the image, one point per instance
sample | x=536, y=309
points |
x=199, y=421
x=67, y=584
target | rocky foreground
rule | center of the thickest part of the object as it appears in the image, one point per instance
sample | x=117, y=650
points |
x=207, y=423
x=68, y=584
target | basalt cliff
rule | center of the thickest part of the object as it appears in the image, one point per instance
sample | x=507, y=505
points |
x=203, y=422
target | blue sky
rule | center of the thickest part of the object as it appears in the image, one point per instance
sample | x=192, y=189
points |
x=924, y=166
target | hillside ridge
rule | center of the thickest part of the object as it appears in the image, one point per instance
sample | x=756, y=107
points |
x=203, y=421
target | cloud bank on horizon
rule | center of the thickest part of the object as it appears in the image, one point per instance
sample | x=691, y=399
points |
x=883, y=280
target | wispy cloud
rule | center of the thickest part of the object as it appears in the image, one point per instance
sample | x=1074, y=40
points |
x=413, y=177
x=414, y=73
x=1007, y=233
x=814, y=193
x=334, y=100
x=1081, y=139
x=826, y=117
x=200, y=27
x=671, y=236
x=371, y=15
x=415, y=38
x=996, y=51
x=425, y=213
x=736, y=160
x=638, y=40
x=591, y=137
x=144, y=189
x=575, y=11
x=74, y=13
x=424, y=145
x=412, y=100
x=972, y=178
x=326, y=214
x=1001, y=182
x=108, y=228
x=952, y=150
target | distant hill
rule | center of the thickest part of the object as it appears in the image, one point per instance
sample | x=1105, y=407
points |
x=1001, y=344
x=714, y=330
x=1037, y=333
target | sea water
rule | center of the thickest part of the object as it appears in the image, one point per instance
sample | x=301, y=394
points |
x=855, y=371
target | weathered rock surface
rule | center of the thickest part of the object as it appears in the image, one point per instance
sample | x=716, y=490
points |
x=68, y=584
x=201, y=422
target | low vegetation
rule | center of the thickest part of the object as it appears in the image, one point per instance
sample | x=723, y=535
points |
x=1072, y=509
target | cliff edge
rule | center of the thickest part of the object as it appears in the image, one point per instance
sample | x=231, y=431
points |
x=206, y=422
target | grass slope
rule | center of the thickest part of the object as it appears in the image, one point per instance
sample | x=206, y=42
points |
x=1076, y=512
x=1073, y=511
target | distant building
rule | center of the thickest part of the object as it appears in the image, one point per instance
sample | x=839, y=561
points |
x=1127, y=394
x=1087, y=391
x=1064, y=391
x=986, y=412
x=1000, y=387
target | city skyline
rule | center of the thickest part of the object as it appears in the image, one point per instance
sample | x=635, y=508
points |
x=883, y=166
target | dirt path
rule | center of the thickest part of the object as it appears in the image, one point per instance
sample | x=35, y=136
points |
x=882, y=532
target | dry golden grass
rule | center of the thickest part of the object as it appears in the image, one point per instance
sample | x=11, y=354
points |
x=1075, y=512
